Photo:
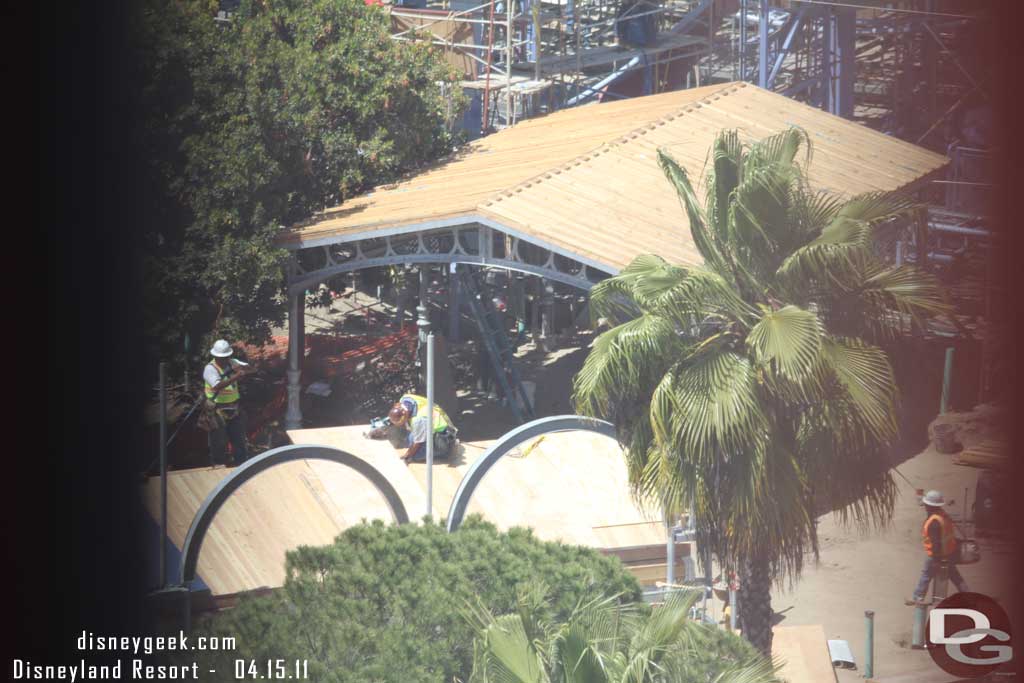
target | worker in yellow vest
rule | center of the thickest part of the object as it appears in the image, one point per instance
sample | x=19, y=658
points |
x=407, y=428
x=220, y=380
x=940, y=543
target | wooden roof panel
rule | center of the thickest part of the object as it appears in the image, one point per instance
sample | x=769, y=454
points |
x=587, y=180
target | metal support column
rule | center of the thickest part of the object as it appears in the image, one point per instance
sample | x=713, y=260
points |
x=454, y=304
x=296, y=351
x=743, y=41
x=422, y=324
x=825, y=90
x=844, y=61
x=547, y=310
x=762, y=46
x=163, y=475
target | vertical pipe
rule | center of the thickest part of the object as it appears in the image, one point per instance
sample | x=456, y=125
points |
x=869, y=644
x=762, y=46
x=947, y=379
x=826, y=60
x=186, y=360
x=743, y=40
x=454, y=303
x=430, y=424
x=508, y=60
x=670, y=557
x=547, y=304
x=296, y=350
x=422, y=324
x=163, y=475
x=940, y=584
x=732, y=606
x=917, y=636
x=536, y=40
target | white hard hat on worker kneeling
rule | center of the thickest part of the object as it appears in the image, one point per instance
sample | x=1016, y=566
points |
x=221, y=349
x=934, y=499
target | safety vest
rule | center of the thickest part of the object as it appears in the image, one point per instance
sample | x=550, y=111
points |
x=945, y=533
x=228, y=394
x=441, y=420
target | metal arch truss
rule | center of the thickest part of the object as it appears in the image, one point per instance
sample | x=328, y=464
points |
x=545, y=425
x=208, y=510
x=467, y=243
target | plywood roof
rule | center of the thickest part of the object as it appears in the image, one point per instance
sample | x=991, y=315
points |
x=571, y=487
x=586, y=180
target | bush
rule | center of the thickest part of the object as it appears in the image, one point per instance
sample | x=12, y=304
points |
x=384, y=602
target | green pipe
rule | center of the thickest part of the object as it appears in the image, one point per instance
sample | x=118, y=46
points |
x=917, y=638
x=869, y=656
x=947, y=380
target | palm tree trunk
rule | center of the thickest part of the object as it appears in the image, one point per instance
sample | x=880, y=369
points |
x=754, y=604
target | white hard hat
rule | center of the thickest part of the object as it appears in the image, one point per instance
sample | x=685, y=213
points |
x=934, y=499
x=221, y=349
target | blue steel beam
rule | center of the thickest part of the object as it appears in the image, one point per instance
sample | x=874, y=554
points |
x=762, y=45
x=794, y=28
x=691, y=17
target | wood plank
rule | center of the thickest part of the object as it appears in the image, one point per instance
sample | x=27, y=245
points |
x=804, y=652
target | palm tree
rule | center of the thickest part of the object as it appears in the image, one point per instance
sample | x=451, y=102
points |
x=604, y=641
x=755, y=389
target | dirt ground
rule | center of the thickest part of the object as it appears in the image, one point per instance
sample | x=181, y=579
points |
x=877, y=569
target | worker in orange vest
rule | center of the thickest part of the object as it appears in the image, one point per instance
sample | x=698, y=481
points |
x=940, y=543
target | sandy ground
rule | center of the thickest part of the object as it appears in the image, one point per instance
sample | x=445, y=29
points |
x=877, y=569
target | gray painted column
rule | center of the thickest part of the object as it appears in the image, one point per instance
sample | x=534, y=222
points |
x=422, y=325
x=535, y=330
x=454, y=304
x=547, y=311
x=296, y=352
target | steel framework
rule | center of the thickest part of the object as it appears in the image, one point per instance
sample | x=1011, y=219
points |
x=474, y=240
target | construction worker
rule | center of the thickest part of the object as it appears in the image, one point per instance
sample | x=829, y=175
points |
x=408, y=428
x=220, y=378
x=940, y=543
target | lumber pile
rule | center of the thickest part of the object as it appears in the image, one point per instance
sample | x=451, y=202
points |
x=991, y=454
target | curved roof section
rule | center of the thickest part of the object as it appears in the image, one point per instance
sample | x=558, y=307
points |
x=586, y=179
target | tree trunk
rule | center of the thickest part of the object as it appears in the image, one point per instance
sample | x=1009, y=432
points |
x=754, y=604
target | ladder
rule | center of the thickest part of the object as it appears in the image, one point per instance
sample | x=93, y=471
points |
x=499, y=350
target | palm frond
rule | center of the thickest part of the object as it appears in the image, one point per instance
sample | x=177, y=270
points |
x=621, y=361
x=877, y=206
x=717, y=407
x=704, y=241
x=781, y=148
x=788, y=339
x=866, y=376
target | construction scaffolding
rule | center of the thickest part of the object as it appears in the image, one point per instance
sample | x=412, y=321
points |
x=525, y=57
x=903, y=66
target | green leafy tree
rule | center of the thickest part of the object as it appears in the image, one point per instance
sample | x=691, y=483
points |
x=253, y=124
x=605, y=641
x=382, y=603
x=756, y=388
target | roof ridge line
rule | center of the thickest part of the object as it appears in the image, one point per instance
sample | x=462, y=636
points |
x=608, y=146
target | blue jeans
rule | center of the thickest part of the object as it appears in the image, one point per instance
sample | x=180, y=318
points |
x=233, y=431
x=928, y=572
